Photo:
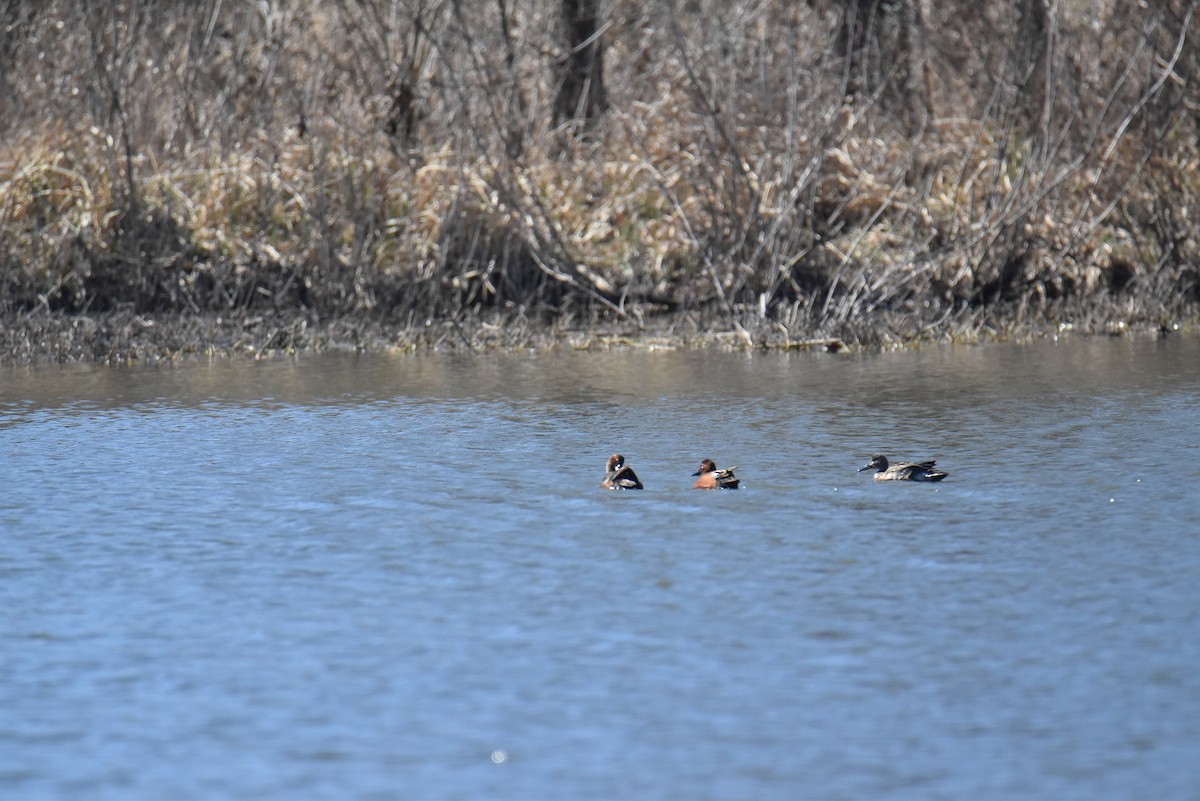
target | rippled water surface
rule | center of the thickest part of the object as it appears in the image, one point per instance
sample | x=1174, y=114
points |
x=396, y=577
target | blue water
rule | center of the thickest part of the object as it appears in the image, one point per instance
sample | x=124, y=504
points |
x=396, y=577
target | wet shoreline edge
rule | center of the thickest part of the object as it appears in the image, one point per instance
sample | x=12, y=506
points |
x=126, y=337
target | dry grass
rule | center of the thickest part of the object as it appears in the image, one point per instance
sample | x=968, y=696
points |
x=370, y=165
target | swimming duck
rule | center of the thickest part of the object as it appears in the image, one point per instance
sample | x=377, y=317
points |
x=618, y=475
x=712, y=478
x=903, y=471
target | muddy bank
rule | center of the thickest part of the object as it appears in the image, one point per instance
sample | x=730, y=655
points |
x=118, y=338
x=126, y=337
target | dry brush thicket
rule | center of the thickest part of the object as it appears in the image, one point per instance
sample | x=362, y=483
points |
x=854, y=169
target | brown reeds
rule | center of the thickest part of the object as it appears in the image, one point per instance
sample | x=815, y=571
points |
x=846, y=171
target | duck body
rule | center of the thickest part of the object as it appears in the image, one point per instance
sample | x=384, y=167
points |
x=903, y=471
x=712, y=478
x=618, y=475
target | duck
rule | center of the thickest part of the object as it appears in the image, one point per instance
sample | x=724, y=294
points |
x=618, y=475
x=903, y=471
x=712, y=478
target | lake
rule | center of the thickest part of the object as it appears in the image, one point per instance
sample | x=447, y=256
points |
x=374, y=576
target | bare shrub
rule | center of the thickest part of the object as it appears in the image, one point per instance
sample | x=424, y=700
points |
x=838, y=167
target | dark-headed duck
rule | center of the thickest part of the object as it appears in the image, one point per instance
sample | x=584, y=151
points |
x=903, y=471
x=712, y=478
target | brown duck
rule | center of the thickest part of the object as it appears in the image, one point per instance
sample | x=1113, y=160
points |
x=712, y=478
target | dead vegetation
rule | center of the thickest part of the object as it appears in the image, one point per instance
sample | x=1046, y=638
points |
x=380, y=169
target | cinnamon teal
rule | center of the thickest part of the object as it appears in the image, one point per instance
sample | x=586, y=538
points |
x=618, y=475
x=903, y=471
x=712, y=478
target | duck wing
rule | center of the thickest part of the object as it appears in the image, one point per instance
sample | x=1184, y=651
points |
x=726, y=479
x=625, y=478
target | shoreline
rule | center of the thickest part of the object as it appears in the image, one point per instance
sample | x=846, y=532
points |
x=281, y=185
x=128, y=338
